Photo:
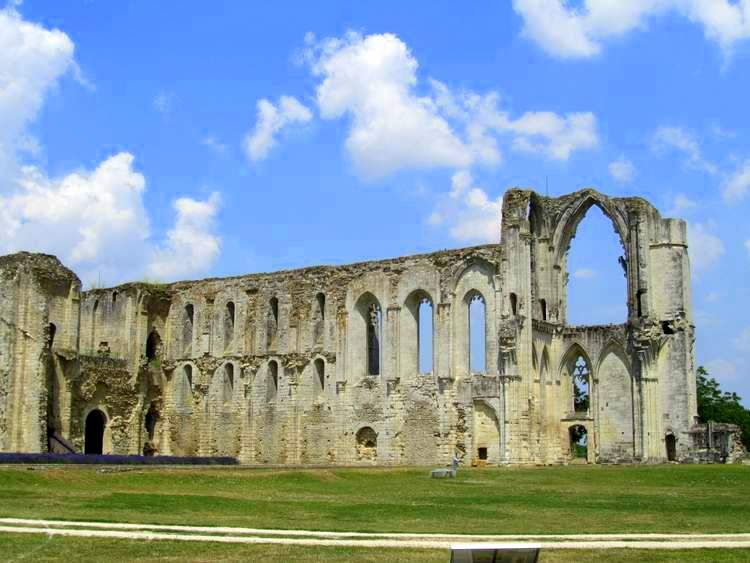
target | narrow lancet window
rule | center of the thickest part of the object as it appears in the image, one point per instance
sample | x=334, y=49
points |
x=425, y=336
x=477, y=334
x=374, y=334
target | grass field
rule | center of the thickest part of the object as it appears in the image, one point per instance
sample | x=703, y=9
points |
x=574, y=499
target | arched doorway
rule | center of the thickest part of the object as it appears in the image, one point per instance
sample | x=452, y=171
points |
x=671, y=443
x=579, y=443
x=95, y=424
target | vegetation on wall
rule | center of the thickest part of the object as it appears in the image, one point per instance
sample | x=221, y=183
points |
x=721, y=406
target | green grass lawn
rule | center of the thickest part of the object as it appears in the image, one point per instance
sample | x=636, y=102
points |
x=39, y=549
x=574, y=499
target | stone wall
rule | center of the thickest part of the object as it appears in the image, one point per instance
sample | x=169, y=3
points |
x=321, y=365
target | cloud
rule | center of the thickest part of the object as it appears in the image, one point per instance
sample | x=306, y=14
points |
x=724, y=370
x=584, y=274
x=163, y=102
x=567, y=31
x=705, y=247
x=372, y=80
x=214, y=144
x=681, y=204
x=555, y=136
x=32, y=61
x=742, y=342
x=470, y=214
x=272, y=119
x=736, y=187
x=94, y=219
x=677, y=138
x=622, y=170
x=191, y=245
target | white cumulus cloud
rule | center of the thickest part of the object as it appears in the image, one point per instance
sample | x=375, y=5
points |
x=705, y=248
x=470, y=214
x=192, y=244
x=271, y=120
x=681, y=204
x=566, y=30
x=372, y=81
x=622, y=170
x=93, y=219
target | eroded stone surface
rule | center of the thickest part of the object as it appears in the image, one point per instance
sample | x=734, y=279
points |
x=320, y=365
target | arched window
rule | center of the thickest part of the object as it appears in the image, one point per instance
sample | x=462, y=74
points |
x=477, y=334
x=94, y=437
x=319, y=376
x=597, y=286
x=543, y=307
x=318, y=318
x=272, y=380
x=114, y=298
x=182, y=391
x=227, y=385
x=94, y=315
x=52, y=332
x=425, y=336
x=513, y=304
x=374, y=336
x=272, y=322
x=152, y=417
x=581, y=384
x=187, y=330
x=228, y=324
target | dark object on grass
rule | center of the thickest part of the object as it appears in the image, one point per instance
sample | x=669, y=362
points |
x=81, y=459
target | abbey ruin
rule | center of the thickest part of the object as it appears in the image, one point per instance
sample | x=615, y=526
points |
x=322, y=365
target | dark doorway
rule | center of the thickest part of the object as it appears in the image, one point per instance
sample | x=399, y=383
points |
x=483, y=454
x=95, y=423
x=671, y=442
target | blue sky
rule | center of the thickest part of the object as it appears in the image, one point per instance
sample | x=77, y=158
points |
x=181, y=140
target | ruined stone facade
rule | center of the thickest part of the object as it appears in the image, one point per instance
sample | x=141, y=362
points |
x=321, y=365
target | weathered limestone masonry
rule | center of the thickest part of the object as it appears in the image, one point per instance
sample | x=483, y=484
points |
x=321, y=365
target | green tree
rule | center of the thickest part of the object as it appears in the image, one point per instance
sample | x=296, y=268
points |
x=721, y=406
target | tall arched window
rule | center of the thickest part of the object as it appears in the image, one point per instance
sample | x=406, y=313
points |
x=425, y=335
x=597, y=286
x=581, y=384
x=227, y=385
x=272, y=322
x=272, y=380
x=543, y=307
x=94, y=315
x=374, y=336
x=318, y=318
x=229, y=324
x=319, y=376
x=187, y=330
x=477, y=334
x=52, y=332
x=513, y=304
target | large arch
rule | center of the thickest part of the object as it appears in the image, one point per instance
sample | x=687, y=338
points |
x=574, y=213
x=565, y=230
x=367, y=336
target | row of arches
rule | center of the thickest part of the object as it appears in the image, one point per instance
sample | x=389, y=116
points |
x=417, y=333
x=272, y=323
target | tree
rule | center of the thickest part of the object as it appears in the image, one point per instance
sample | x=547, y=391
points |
x=713, y=404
